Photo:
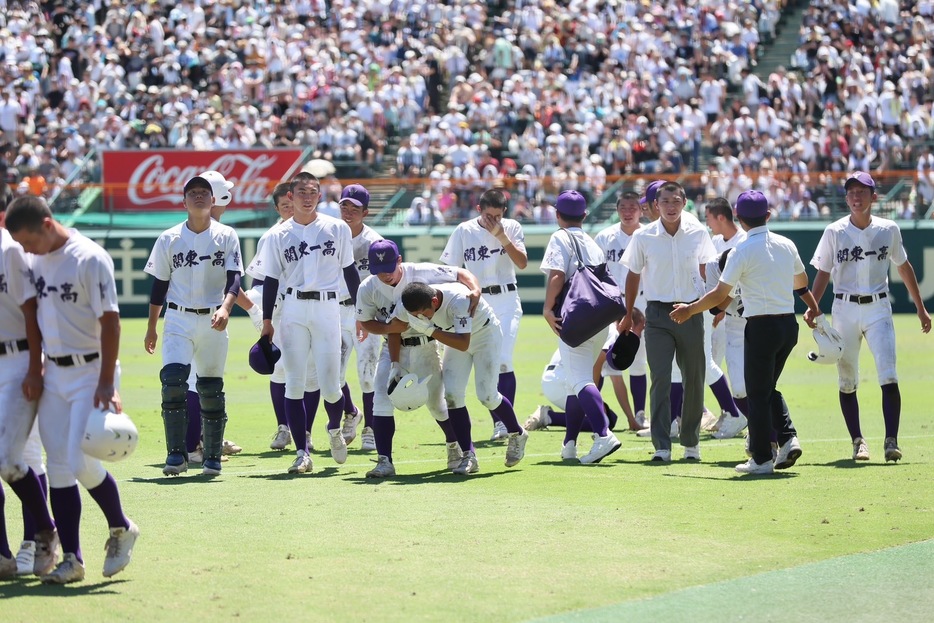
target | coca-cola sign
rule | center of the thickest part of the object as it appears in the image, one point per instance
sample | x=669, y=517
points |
x=154, y=179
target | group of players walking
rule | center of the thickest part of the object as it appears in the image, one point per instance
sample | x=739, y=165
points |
x=326, y=286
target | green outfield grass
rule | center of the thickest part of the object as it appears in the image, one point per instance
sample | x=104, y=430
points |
x=623, y=540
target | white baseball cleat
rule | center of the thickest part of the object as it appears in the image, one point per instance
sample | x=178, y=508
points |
x=468, y=464
x=602, y=447
x=788, y=453
x=197, y=456
x=676, y=428
x=516, y=448
x=230, y=447
x=751, y=467
x=691, y=453
x=662, y=456
x=175, y=464
x=383, y=469
x=731, y=427
x=282, y=439
x=860, y=449
x=641, y=420
x=708, y=420
x=539, y=420
x=892, y=451
x=569, y=451
x=26, y=558
x=499, y=432
x=119, y=549
x=338, y=446
x=367, y=440
x=68, y=570
x=302, y=463
x=46, y=554
x=308, y=440
x=349, y=429
x=455, y=454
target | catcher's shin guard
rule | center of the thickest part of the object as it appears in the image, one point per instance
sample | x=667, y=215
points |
x=213, y=414
x=174, y=377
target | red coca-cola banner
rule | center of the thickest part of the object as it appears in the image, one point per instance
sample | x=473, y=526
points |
x=154, y=179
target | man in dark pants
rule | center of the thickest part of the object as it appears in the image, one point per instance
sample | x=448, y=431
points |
x=667, y=257
x=768, y=269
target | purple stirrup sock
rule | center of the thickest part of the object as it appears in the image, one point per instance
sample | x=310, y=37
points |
x=383, y=430
x=66, y=507
x=507, y=386
x=592, y=403
x=277, y=394
x=460, y=420
x=36, y=515
x=448, y=427
x=349, y=406
x=193, y=436
x=742, y=404
x=891, y=409
x=574, y=414
x=507, y=415
x=677, y=400
x=638, y=387
x=721, y=391
x=295, y=415
x=849, y=404
x=311, y=408
x=107, y=497
x=335, y=411
x=368, y=409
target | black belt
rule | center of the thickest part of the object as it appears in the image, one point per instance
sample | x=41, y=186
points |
x=417, y=340
x=347, y=303
x=509, y=287
x=860, y=299
x=201, y=311
x=72, y=360
x=770, y=316
x=313, y=295
x=14, y=347
x=739, y=312
x=669, y=304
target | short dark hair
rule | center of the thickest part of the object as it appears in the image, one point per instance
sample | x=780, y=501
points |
x=280, y=191
x=672, y=187
x=573, y=220
x=27, y=213
x=757, y=221
x=720, y=207
x=417, y=296
x=493, y=198
x=304, y=176
x=629, y=194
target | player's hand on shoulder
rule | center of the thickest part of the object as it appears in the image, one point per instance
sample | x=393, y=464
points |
x=474, y=299
x=219, y=319
x=32, y=386
x=152, y=336
x=107, y=397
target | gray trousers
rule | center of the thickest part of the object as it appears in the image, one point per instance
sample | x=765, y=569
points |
x=665, y=339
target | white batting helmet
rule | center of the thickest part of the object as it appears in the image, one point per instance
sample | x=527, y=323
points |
x=109, y=436
x=220, y=187
x=829, y=343
x=409, y=393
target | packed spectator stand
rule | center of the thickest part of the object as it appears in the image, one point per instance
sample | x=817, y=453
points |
x=447, y=99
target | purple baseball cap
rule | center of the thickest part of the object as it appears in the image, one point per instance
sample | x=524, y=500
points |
x=751, y=204
x=357, y=195
x=651, y=190
x=860, y=177
x=264, y=355
x=383, y=256
x=571, y=203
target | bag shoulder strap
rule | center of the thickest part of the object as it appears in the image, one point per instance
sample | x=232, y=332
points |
x=577, y=250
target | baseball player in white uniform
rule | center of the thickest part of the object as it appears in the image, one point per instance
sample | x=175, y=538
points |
x=491, y=247
x=583, y=397
x=378, y=299
x=73, y=281
x=196, y=268
x=21, y=464
x=613, y=242
x=856, y=251
x=727, y=330
x=309, y=255
x=354, y=207
x=443, y=312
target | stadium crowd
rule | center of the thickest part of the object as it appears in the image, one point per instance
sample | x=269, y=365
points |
x=538, y=96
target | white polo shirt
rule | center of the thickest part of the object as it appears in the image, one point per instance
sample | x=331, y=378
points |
x=858, y=259
x=560, y=253
x=764, y=266
x=670, y=265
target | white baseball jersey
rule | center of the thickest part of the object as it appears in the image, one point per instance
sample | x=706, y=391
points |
x=477, y=250
x=722, y=245
x=453, y=315
x=74, y=286
x=560, y=252
x=379, y=301
x=14, y=287
x=195, y=265
x=613, y=242
x=858, y=259
x=361, y=255
x=306, y=257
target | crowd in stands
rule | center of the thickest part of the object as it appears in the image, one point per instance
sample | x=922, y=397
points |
x=535, y=95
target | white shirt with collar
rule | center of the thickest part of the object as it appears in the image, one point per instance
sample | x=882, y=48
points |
x=670, y=265
x=858, y=259
x=764, y=267
x=560, y=254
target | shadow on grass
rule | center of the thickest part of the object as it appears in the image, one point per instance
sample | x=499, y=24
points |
x=577, y=464
x=849, y=464
x=438, y=476
x=319, y=473
x=733, y=476
x=32, y=587
x=190, y=477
